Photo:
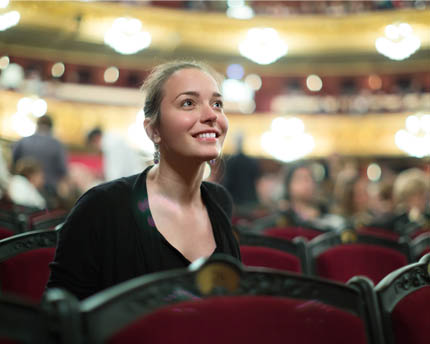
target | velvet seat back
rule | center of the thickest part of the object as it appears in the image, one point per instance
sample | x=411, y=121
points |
x=26, y=274
x=342, y=262
x=245, y=319
x=411, y=318
x=290, y=233
x=269, y=258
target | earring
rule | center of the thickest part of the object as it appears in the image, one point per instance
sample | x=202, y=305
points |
x=156, y=154
x=212, y=162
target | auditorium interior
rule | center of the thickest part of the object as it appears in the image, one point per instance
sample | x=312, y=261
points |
x=326, y=161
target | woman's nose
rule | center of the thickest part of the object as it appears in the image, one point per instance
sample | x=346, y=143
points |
x=208, y=114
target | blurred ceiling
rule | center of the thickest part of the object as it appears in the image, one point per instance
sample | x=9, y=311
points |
x=73, y=32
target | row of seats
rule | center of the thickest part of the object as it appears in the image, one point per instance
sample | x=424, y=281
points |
x=16, y=219
x=336, y=256
x=218, y=300
x=24, y=258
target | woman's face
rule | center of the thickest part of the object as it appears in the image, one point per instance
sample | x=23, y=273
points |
x=192, y=120
x=302, y=185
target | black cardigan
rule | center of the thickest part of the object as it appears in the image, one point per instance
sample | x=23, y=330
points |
x=108, y=237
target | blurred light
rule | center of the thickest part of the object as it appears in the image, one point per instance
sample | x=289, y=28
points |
x=374, y=172
x=263, y=46
x=413, y=124
x=235, y=71
x=126, y=36
x=236, y=91
x=287, y=140
x=243, y=12
x=235, y=3
x=314, y=83
x=12, y=76
x=288, y=127
x=39, y=107
x=58, y=69
x=138, y=136
x=23, y=125
x=35, y=106
x=111, y=75
x=375, y=82
x=425, y=123
x=254, y=81
x=247, y=107
x=399, y=42
x=4, y=3
x=415, y=140
x=4, y=62
x=417, y=146
x=9, y=19
x=24, y=105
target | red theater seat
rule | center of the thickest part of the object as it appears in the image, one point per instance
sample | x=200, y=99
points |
x=218, y=300
x=341, y=256
x=24, y=260
x=270, y=252
x=404, y=297
x=290, y=233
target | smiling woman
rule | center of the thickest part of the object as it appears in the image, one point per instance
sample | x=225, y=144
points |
x=167, y=216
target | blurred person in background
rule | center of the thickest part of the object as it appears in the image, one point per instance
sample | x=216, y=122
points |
x=49, y=152
x=351, y=199
x=24, y=186
x=411, y=194
x=301, y=206
x=119, y=159
x=240, y=178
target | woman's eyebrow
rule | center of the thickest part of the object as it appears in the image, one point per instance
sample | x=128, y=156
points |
x=188, y=93
x=196, y=94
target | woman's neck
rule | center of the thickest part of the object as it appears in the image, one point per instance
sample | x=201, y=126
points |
x=178, y=182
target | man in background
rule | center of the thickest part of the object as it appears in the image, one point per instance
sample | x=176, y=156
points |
x=49, y=153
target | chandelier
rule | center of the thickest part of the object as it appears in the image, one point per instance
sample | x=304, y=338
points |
x=415, y=138
x=287, y=140
x=126, y=36
x=263, y=46
x=399, y=42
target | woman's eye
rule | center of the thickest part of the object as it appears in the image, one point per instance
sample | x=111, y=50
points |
x=187, y=103
x=219, y=104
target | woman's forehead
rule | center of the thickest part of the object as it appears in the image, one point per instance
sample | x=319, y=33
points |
x=190, y=79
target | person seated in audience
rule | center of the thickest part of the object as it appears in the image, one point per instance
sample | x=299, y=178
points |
x=351, y=199
x=411, y=197
x=166, y=216
x=300, y=206
x=24, y=186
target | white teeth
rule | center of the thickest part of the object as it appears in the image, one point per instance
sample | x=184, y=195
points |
x=207, y=135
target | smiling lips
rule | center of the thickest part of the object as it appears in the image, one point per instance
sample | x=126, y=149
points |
x=207, y=136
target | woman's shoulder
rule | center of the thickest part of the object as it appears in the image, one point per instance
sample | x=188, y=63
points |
x=113, y=191
x=220, y=195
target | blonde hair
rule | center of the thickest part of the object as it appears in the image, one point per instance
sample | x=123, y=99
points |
x=409, y=182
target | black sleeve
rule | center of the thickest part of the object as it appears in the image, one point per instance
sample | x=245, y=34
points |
x=77, y=263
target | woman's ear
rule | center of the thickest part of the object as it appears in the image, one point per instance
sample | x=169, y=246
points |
x=151, y=131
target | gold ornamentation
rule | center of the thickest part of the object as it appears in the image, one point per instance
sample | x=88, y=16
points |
x=348, y=236
x=282, y=221
x=217, y=275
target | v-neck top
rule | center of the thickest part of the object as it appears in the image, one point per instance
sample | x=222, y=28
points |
x=110, y=236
